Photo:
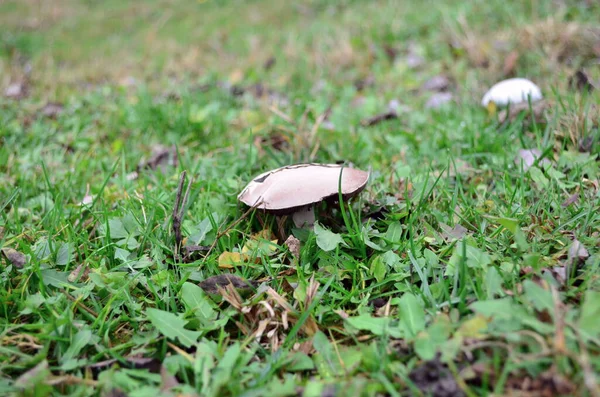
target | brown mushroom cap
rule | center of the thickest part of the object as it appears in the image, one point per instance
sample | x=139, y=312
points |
x=286, y=189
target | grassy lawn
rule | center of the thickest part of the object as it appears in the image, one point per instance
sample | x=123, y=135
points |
x=468, y=265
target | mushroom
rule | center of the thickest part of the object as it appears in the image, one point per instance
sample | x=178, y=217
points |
x=513, y=91
x=295, y=189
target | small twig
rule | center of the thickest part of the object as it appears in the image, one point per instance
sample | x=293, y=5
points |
x=387, y=115
x=179, y=210
x=284, y=116
x=81, y=305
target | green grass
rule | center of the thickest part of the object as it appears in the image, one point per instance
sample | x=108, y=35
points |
x=475, y=256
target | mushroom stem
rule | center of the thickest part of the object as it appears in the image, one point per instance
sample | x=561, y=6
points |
x=304, y=217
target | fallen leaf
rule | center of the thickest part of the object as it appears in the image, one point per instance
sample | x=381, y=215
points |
x=436, y=83
x=559, y=273
x=228, y=260
x=17, y=90
x=52, y=109
x=293, y=245
x=387, y=115
x=455, y=233
x=16, y=258
x=192, y=252
x=572, y=199
x=581, y=81
x=87, y=200
x=438, y=100
x=222, y=280
x=577, y=253
x=80, y=273
x=529, y=157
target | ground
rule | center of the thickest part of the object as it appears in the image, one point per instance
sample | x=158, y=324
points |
x=468, y=265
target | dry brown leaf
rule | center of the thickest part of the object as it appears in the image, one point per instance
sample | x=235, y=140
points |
x=211, y=285
x=80, y=273
x=193, y=252
x=528, y=157
x=52, y=109
x=572, y=199
x=453, y=233
x=17, y=90
x=577, y=253
x=16, y=258
x=293, y=245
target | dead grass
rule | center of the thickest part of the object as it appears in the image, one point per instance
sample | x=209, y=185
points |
x=577, y=124
x=564, y=46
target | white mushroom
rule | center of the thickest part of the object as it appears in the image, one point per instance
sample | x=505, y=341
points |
x=295, y=189
x=513, y=91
